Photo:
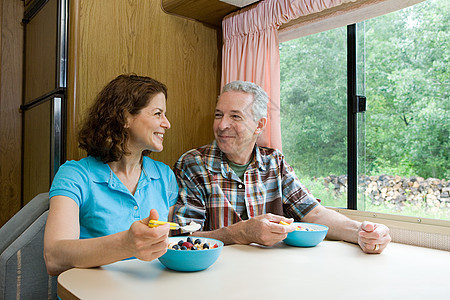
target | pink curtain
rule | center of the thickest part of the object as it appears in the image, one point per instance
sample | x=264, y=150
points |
x=250, y=51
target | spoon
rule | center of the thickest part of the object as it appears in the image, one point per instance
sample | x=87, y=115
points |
x=189, y=228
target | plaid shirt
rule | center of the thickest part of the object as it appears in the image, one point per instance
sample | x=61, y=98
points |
x=211, y=194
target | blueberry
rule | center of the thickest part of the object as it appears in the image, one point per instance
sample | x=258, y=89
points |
x=198, y=241
x=189, y=240
x=183, y=248
x=180, y=242
x=205, y=246
x=175, y=247
x=194, y=248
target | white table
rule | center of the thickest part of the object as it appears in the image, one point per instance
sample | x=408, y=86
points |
x=331, y=270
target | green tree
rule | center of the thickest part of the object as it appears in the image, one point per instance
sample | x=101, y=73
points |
x=313, y=105
x=407, y=83
x=407, y=87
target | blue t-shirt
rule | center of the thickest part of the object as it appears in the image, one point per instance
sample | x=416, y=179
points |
x=106, y=205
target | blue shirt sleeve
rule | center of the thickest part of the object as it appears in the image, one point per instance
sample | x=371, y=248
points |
x=71, y=181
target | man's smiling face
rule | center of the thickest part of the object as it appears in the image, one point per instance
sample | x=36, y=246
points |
x=234, y=127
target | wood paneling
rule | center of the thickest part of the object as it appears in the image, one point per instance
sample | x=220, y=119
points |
x=36, y=150
x=207, y=11
x=112, y=37
x=11, y=45
x=40, y=52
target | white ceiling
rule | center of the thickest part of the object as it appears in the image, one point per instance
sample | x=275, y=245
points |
x=239, y=3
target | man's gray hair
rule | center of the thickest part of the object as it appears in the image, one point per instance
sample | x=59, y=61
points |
x=260, y=98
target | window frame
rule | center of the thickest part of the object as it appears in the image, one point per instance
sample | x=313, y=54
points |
x=348, y=15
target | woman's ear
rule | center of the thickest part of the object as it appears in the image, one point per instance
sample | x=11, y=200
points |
x=127, y=120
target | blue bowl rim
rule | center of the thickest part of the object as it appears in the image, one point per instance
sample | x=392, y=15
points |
x=210, y=240
x=304, y=223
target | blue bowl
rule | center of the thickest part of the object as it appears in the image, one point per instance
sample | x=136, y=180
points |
x=191, y=260
x=301, y=238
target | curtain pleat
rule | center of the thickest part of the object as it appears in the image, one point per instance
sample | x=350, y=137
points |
x=250, y=51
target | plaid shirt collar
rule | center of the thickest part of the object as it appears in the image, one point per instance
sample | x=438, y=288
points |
x=216, y=162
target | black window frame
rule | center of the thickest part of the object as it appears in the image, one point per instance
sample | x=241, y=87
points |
x=352, y=123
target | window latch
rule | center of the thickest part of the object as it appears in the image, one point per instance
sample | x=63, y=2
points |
x=360, y=104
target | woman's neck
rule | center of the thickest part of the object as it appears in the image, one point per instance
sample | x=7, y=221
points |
x=128, y=170
x=127, y=165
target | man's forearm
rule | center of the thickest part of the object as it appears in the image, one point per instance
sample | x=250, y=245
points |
x=233, y=234
x=340, y=227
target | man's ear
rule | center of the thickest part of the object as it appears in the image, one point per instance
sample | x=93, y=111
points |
x=261, y=125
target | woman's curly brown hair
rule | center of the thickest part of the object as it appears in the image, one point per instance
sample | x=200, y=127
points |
x=103, y=134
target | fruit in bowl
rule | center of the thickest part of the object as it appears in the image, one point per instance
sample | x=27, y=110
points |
x=188, y=254
x=306, y=235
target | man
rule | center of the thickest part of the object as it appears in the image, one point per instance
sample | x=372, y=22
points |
x=240, y=192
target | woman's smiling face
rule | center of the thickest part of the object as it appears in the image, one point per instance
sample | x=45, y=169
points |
x=147, y=128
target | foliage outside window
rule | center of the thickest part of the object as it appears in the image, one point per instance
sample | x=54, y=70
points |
x=407, y=124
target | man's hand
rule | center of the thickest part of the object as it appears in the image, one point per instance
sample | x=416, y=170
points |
x=373, y=237
x=264, y=230
x=147, y=243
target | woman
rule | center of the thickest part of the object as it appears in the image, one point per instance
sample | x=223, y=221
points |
x=100, y=205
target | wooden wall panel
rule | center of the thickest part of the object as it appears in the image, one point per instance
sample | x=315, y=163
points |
x=11, y=44
x=40, y=51
x=109, y=38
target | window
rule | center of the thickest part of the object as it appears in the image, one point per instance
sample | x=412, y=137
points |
x=313, y=112
x=403, y=137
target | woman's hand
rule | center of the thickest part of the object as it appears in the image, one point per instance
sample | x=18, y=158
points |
x=147, y=243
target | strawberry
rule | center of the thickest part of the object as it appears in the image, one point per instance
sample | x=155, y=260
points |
x=188, y=245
